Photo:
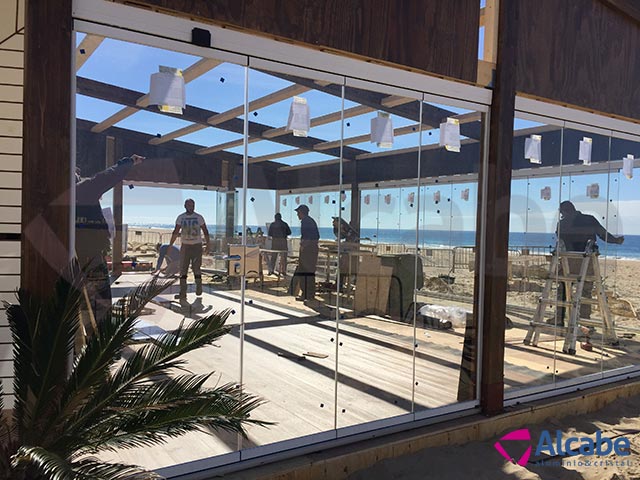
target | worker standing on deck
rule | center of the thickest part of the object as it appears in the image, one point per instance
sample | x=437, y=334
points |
x=189, y=225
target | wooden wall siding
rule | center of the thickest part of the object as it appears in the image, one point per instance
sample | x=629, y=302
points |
x=438, y=36
x=582, y=53
x=11, y=87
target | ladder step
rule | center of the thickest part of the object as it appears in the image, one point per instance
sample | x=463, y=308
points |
x=551, y=301
x=547, y=325
x=584, y=322
x=572, y=278
x=573, y=255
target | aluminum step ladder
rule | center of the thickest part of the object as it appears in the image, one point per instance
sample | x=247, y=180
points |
x=573, y=287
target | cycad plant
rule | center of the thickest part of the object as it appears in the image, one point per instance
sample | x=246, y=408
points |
x=71, y=405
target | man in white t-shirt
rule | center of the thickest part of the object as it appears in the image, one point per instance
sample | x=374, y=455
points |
x=188, y=226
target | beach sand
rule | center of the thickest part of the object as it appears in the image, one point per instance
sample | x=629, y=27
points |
x=480, y=461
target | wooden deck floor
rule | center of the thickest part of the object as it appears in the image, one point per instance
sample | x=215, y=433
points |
x=375, y=374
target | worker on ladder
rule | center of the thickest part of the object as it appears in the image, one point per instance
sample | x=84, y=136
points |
x=575, y=231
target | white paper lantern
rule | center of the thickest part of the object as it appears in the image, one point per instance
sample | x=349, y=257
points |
x=627, y=166
x=584, y=153
x=533, y=149
x=299, y=117
x=167, y=90
x=382, y=130
x=450, y=135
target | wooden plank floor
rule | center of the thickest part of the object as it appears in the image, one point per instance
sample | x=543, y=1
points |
x=375, y=379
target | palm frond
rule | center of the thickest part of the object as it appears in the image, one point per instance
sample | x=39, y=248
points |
x=155, y=357
x=144, y=293
x=88, y=469
x=223, y=408
x=37, y=460
x=92, y=365
x=152, y=359
x=44, y=334
x=62, y=415
x=133, y=403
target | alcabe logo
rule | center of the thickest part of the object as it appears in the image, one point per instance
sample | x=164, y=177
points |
x=522, y=434
x=565, y=447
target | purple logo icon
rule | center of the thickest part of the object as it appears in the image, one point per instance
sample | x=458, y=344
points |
x=522, y=434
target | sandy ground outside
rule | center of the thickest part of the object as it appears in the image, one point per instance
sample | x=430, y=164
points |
x=480, y=460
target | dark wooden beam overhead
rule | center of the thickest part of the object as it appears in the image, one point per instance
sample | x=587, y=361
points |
x=394, y=166
x=123, y=96
x=46, y=161
x=582, y=53
x=431, y=115
x=442, y=37
x=495, y=221
x=171, y=162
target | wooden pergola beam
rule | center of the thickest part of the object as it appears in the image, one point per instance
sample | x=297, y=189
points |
x=409, y=109
x=87, y=47
x=196, y=70
x=224, y=146
x=397, y=132
x=235, y=112
x=126, y=97
x=273, y=156
x=262, y=102
x=323, y=120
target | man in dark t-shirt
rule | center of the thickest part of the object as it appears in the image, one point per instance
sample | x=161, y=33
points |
x=575, y=230
x=278, y=231
x=93, y=241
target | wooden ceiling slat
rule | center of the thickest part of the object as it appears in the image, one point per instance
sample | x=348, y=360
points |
x=87, y=47
x=262, y=102
x=199, y=68
x=431, y=115
x=273, y=156
x=126, y=97
x=181, y=132
x=366, y=137
x=323, y=120
x=218, y=118
x=225, y=146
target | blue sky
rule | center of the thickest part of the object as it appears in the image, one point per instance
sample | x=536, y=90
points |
x=223, y=88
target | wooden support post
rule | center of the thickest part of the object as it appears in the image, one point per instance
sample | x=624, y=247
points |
x=497, y=180
x=47, y=149
x=111, y=155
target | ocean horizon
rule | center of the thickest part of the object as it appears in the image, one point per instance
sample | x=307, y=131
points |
x=630, y=249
